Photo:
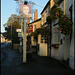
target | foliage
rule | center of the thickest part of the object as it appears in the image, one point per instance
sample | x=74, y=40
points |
x=65, y=25
x=55, y=14
x=15, y=25
x=41, y=31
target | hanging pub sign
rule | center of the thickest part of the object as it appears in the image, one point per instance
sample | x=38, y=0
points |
x=25, y=10
x=30, y=29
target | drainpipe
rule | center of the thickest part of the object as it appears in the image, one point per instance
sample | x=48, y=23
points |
x=64, y=7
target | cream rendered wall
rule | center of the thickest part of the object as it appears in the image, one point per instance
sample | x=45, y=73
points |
x=38, y=25
x=39, y=39
x=51, y=3
x=42, y=49
x=45, y=14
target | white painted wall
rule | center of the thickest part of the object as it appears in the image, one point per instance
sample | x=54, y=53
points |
x=61, y=6
x=67, y=6
x=67, y=48
x=72, y=58
x=63, y=52
x=42, y=49
x=58, y=53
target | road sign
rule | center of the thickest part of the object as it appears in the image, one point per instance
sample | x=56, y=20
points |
x=19, y=35
x=18, y=30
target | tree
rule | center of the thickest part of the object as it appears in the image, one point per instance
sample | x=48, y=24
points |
x=12, y=25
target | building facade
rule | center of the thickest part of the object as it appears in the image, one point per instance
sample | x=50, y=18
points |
x=65, y=51
x=32, y=27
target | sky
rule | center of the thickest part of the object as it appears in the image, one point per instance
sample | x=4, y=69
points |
x=9, y=7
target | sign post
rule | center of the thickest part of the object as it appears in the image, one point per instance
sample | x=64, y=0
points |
x=24, y=42
x=25, y=11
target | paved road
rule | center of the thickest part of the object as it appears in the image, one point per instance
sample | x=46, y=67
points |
x=37, y=66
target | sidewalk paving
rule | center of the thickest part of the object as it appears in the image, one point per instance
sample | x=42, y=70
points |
x=37, y=66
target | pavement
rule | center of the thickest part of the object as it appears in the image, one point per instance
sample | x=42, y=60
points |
x=11, y=64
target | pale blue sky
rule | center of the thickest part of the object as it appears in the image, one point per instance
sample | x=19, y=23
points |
x=8, y=7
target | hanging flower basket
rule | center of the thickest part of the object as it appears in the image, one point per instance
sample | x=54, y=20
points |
x=65, y=25
x=41, y=31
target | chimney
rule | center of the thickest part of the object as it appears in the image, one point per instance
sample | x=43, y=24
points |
x=28, y=21
x=35, y=14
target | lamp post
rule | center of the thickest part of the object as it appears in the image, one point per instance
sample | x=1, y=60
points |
x=64, y=7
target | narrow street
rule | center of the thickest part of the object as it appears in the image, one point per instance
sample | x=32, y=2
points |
x=12, y=65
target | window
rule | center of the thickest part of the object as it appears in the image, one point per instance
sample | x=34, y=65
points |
x=48, y=9
x=56, y=35
x=46, y=14
x=44, y=39
x=43, y=19
x=34, y=27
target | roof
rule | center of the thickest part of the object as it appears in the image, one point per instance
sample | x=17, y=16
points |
x=35, y=21
x=46, y=6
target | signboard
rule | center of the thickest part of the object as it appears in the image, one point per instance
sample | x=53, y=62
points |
x=20, y=43
x=30, y=29
x=18, y=30
x=19, y=35
x=25, y=10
